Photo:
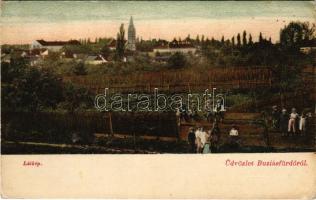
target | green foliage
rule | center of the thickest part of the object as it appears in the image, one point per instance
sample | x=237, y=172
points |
x=75, y=98
x=145, y=46
x=79, y=49
x=80, y=69
x=120, y=43
x=105, y=51
x=26, y=88
x=263, y=52
x=297, y=34
x=13, y=70
x=32, y=90
x=177, y=60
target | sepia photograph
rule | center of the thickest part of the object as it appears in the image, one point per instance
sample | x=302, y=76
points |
x=157, y=77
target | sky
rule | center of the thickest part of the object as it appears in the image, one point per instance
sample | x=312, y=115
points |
x=25, y=21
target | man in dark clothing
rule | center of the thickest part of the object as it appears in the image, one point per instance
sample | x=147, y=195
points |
x=284, y=118
x=219, y=114
x=275, y=118
x=215, y=135
x=191, y=140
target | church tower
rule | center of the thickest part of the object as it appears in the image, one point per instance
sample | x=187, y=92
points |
x=131, y=40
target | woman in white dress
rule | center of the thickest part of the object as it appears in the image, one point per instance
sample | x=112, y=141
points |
x=292, y=121
x=302, y=124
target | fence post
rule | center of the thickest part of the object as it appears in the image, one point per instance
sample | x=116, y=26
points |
x=111, y=127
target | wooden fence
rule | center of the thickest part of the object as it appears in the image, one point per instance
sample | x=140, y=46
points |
x=59, y=127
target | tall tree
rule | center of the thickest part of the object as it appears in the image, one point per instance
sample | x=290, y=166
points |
x=197, y=39
x=212, y=41
x=233, y=41
x=120, y=43
x=250, y=42
x=223, y=40
x=202, y=39
x=296, y=34
x=188, y=38
x=244, y=38
x=207, y=41
x=238, y=40
x=260, y=38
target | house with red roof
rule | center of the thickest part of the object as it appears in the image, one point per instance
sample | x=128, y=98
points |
x=52, y=45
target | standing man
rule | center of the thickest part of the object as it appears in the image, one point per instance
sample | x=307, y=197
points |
x=275, y=117
x=215, y=135
x=283, y=122
x=293, y=121
x=191, y=140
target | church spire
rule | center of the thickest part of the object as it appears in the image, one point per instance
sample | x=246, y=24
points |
x=131, y=38
x=131, y=21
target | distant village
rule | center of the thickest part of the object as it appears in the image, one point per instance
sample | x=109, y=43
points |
x=68, y=50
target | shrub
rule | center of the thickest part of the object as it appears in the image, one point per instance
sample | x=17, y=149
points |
x=177, y=61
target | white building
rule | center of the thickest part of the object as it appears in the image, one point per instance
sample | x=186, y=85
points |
x=176, y=46
x=95, y=60
x=52, y=45
x=174, y=50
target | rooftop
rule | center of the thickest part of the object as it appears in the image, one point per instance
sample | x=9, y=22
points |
x=58, y=43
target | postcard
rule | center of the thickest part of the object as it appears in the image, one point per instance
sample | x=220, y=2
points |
x=158, y=99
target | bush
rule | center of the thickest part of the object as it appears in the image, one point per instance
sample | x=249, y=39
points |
x=177, y=61
x=80, y=69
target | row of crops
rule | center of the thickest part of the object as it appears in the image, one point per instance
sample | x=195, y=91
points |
x=219, y=76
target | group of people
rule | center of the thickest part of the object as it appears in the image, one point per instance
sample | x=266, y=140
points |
x=199, y=140
x=290, y=123
x=202, y=141
x=207, y=141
